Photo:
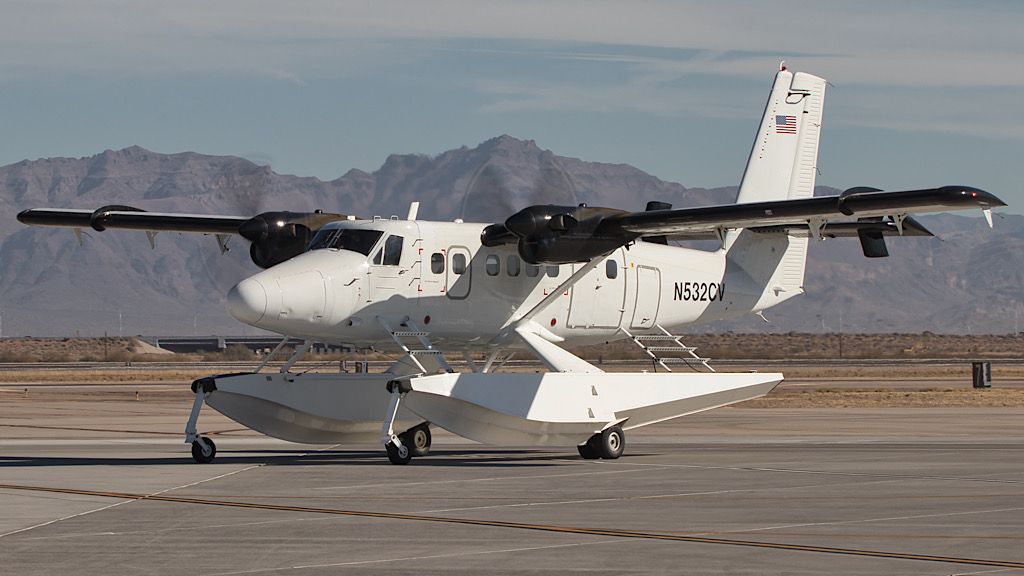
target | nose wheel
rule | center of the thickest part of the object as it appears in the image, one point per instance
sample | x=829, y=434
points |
x=398, y=453
x=203, y=450
x=413, y=442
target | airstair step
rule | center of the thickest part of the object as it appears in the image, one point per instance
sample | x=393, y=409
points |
x=684, y=360
x=425, y=352
x=656, y=337
x=679, y=348
x=401, y=333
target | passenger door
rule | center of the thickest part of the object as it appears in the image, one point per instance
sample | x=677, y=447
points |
x=648, y=297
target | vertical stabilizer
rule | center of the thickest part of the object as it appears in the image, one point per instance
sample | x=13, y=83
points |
x=782, y=166
x=783, y=161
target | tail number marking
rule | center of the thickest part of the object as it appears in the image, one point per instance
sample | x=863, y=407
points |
x=699, y=291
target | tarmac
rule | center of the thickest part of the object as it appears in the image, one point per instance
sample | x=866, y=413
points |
x=103, y=484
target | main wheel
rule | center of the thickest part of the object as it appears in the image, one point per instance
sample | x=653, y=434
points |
x=398, y=454
x=203, y=451
x=591, y=450
x=417, y=439
x=613, y=442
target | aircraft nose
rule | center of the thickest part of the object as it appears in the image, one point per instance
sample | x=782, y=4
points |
x=247, y=301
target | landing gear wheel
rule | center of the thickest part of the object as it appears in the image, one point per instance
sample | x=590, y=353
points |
x=591, y=450
x=612, y=443
x=417, y=439
x=398, y=454
x=203, y=450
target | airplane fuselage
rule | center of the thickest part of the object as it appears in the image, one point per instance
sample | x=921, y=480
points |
x=439, y=277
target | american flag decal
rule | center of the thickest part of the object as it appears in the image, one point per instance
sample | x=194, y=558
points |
x=785, y=124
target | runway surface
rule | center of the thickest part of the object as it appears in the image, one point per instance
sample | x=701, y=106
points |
x=756, y=491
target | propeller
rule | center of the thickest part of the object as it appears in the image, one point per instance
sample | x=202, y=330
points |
x=244, y=194
x=274, y=236
x=494, y=191
x=548, y=224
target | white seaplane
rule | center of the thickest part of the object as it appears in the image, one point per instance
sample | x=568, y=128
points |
x=548, y=277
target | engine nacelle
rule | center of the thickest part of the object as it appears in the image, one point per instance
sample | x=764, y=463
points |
x=549, y=234
x=279, y=236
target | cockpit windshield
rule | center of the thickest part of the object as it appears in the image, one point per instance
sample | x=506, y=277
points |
x=361, y=241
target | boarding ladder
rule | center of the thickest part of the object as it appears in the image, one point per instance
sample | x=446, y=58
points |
x=668, y=343
x=419, y=349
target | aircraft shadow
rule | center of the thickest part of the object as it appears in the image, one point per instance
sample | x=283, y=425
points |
x=439, y=458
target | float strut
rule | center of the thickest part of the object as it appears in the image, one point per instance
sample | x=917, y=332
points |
x=190, y=427
x=395, y=387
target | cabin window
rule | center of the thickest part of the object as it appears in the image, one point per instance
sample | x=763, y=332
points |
x=532, y=270
x=611, y=269
x=437, y=263
x=512, y=265
x=459, y=263
x=377, y=256
x=492, y=265
x=393, y=250
x=553, y=271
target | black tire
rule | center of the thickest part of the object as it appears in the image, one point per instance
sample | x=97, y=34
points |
x=398, y=455
x=204, y=456
x=417, y=439
x=590, y=450
x=613, y=443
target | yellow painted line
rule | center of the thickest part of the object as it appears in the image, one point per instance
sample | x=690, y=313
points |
x=524, y=526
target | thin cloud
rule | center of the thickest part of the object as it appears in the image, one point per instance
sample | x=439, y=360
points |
x=915, y=43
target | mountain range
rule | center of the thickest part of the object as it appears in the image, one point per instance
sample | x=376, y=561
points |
x=966, y=280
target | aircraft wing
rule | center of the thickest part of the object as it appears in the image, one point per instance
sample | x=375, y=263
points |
x=549, y=234
x=128, y=218
x=860, y=203
x=274, y=236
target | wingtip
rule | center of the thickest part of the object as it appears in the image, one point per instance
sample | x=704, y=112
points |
x=977, y=195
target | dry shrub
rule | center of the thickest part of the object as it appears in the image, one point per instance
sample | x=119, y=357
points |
x=237, y=352
x=148, y=357
x=119, y=356
x=57, y=356
x=16, y=356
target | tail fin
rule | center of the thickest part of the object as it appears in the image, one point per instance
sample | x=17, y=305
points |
x=783, y=161
x=782, y=165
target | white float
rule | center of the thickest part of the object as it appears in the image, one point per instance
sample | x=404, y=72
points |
x=565, y=409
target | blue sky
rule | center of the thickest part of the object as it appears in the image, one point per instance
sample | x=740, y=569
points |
x=923, y=93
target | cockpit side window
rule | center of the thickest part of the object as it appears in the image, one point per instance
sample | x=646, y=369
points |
x=361, y=241
x=393, y=250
